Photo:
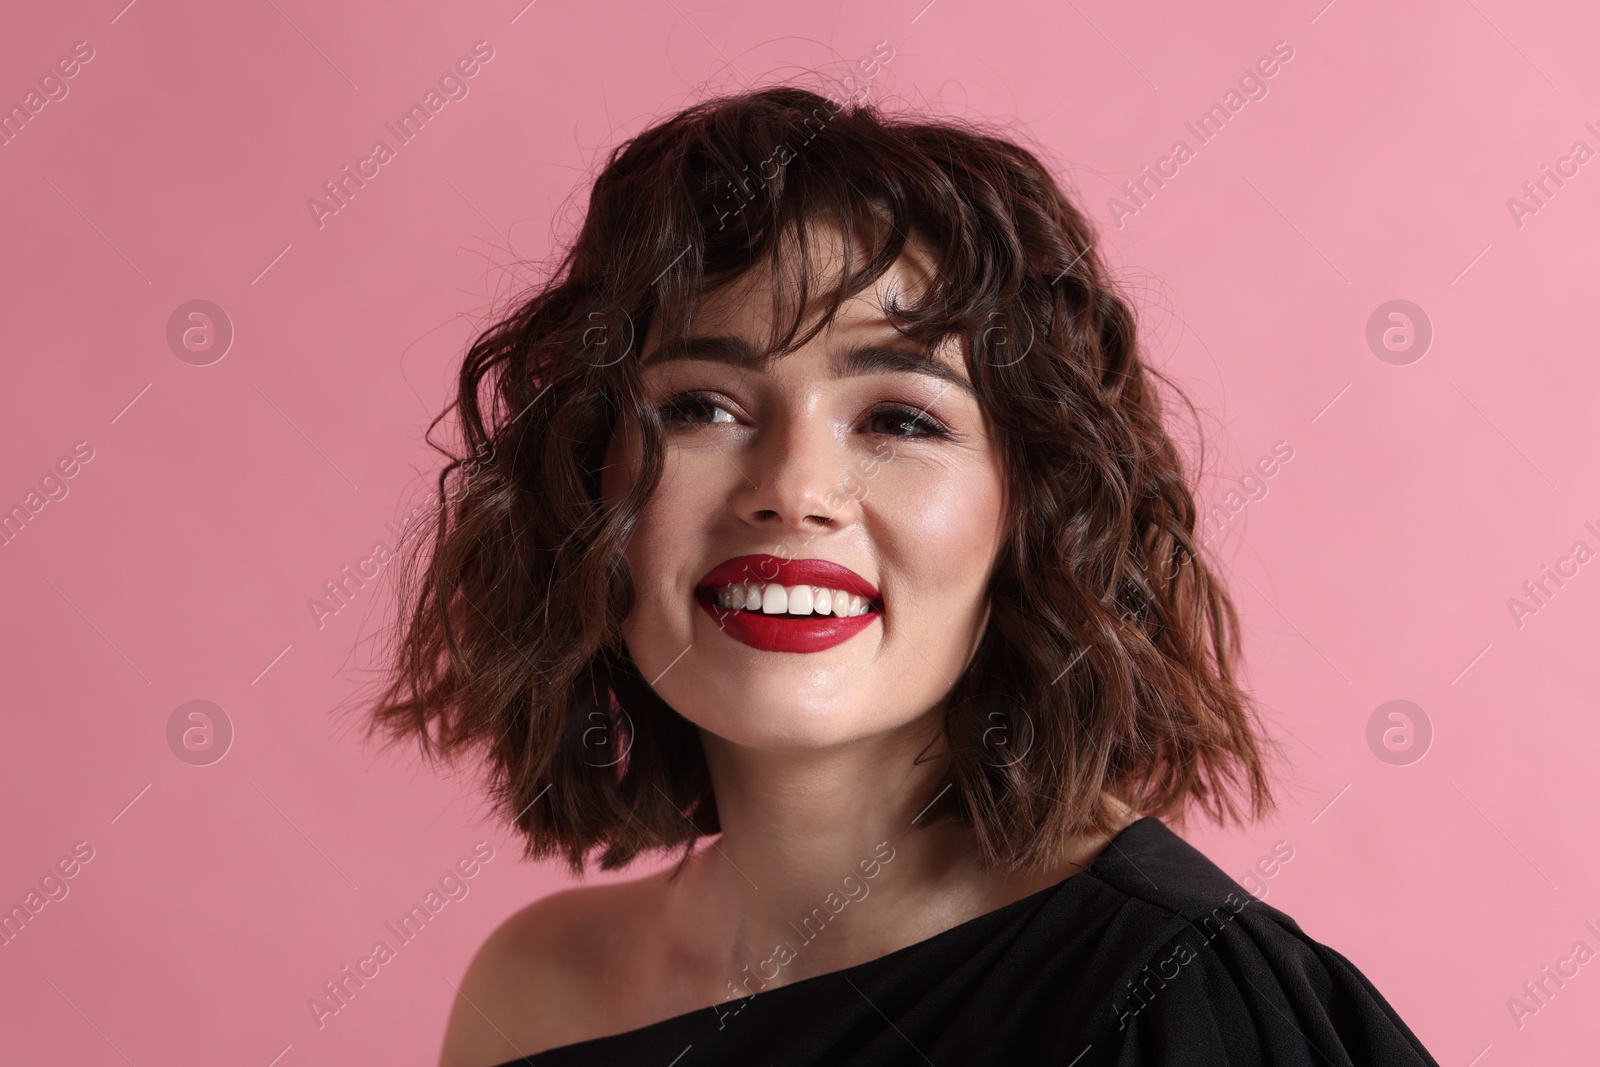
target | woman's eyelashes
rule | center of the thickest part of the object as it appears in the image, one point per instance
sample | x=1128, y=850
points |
x=902, y=420
x=885, y=420
x=694, y=409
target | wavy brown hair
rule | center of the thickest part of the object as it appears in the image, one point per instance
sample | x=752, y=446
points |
x=1109, y=663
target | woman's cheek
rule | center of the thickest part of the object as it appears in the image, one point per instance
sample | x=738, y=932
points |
x=942, y=522
x=666, y=544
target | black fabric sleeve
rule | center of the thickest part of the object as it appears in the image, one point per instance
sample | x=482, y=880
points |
x=1248, y=987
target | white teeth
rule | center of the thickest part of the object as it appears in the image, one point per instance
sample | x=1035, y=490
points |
x=773, y=599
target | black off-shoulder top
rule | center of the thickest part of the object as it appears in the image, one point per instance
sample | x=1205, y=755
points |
x=1150, y=956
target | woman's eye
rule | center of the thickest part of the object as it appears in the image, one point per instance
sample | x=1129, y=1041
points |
x=695, y=409
x=692, y=409
x=905, y=422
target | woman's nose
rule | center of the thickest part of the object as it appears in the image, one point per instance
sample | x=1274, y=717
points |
x=798, y=475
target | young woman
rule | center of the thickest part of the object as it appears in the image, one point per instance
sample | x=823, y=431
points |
x=819, y=526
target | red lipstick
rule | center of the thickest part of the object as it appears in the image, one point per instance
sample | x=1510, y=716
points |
x=786, y=633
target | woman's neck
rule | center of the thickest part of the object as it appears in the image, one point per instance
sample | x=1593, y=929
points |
x=827, y=860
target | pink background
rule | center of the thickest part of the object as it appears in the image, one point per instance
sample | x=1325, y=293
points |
x=1378, y=565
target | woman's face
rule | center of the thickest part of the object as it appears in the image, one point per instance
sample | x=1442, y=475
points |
x=856, y=465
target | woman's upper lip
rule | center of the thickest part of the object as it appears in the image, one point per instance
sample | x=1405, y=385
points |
x=762, y=568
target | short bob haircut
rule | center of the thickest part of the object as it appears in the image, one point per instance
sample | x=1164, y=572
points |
x=1108, y=665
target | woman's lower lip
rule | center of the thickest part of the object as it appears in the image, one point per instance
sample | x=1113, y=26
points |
x=779, y=633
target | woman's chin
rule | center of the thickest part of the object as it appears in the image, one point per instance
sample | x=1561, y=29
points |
x=789, y=726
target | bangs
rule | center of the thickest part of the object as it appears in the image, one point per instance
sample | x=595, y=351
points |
x=811, y=270
x=821, y=200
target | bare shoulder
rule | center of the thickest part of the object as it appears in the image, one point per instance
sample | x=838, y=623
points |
x=537, y=981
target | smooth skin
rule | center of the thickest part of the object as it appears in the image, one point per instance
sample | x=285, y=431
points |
x=811, y=755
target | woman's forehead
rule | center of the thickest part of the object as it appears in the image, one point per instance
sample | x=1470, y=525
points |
x=747, y=304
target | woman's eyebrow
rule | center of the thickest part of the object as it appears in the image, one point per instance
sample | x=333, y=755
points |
x=848, y=362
